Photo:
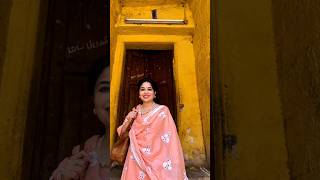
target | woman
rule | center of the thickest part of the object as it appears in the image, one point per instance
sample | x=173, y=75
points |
x=90, y=161
x=155, y=151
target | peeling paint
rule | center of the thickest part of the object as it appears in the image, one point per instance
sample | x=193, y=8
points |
x=188, y=138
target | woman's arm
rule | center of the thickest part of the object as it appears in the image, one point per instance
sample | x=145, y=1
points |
x=119, y=129
x=129, y=118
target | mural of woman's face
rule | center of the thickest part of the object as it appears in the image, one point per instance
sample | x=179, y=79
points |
x=101, y=96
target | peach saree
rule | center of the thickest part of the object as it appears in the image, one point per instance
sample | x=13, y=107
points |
x=155, y=151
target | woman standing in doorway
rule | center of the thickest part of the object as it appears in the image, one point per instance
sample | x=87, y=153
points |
x=155, y=151
x=90, y=160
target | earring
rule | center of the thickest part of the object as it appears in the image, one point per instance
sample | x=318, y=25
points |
x=94, y=111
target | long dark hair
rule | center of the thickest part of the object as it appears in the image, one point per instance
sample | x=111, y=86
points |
x=98, y=66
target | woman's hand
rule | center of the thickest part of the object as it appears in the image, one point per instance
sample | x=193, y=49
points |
x=72, y=167
x=132, y=114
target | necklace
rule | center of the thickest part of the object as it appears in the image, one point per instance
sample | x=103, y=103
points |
x=143, y=112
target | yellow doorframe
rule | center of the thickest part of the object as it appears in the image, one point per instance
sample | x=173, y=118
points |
x=188, y=109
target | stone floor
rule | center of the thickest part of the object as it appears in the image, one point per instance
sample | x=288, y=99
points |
x=192, y=173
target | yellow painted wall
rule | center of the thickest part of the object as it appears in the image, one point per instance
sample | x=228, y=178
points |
x=246, y=56
x=138, y=3
x=201, y=43
x=115, y=11
x=15, y=84
x=190, y=123
x=171, y=11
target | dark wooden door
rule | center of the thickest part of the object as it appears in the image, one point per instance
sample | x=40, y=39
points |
x=155, y=64
x=61, y=113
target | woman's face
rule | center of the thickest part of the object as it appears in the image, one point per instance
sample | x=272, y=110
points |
x=101, y=96
x=146, y=92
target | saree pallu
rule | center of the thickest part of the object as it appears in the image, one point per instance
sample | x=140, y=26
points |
x=155, y=151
